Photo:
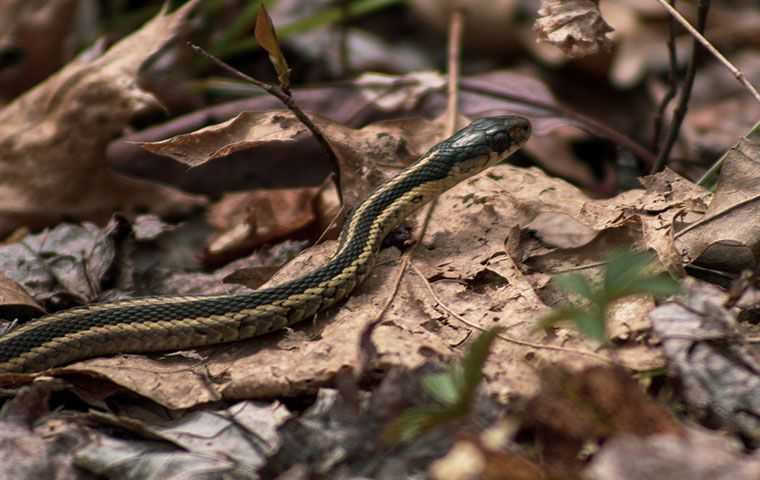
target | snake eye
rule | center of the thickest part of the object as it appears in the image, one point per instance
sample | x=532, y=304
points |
x=499, y=142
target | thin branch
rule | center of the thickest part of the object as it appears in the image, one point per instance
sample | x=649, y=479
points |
x=683, y=101
x=735, y=71
x=502, y=336
x=454, y=53
x=288, y=101
x=455, y=38
x=672, y=82
x=724, y=211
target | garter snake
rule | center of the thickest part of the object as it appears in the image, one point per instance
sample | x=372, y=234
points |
x=177, y=322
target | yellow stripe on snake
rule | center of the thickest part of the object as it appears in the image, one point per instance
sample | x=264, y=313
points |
x=172, y=323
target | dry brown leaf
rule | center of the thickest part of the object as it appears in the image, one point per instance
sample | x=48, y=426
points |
x=642, y=216
x=15, y=302
x=698, y=455
x=266, y=36
x=36, y=34
x=67, y=265
x=575, y=26
x=727, y=237
x=53, y=138
x=247, y=220
x=471, y=459
x=595, y=404
x=707, y=350
x=361, y=152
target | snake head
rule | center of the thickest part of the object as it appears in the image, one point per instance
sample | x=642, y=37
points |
x=504, y=133
x=483, y=143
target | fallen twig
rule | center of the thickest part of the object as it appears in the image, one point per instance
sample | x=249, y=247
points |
x=288, y=101
x=737, y=73
x=683, y=101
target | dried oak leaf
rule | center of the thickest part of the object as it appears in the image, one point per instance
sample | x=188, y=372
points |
x=53, y=138
x=697, y=455
x=233, y=442
x=67, y=265
x=360, y=152
x=718, y=369
x=34, y=42
x=575, y=26
x=727, y=237
x=246, y=220
x=591, y=405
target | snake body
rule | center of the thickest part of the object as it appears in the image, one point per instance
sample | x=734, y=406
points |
x=152, y=324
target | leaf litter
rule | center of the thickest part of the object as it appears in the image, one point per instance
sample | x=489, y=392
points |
x=53, y=138
x=485, y=260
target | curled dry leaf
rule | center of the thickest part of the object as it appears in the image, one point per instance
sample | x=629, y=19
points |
x=66, y=265
x=267, y=37
x=697, y=455
x=484, y=458
x=33, y=42
x=642, y=216
x=233, y=442
x=361, y=152
x=598, y=403
x=247, y=220
x=719, y=372
x=15, y=302
x=370, y=97
x=575, y=26
x=727, y=237
x=53, y=138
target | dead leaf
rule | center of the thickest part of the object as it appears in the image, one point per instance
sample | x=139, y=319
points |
x=589, y=406
x=68, y=265
x=727, y=237
x=361, y=153
x=575, y=26
x=698, y=455
x=53, y=138
x=560, y=230
x=720, y=372
x=267, y=37
x=467, y=460
x=35, y=34
x=15, y=302
x=233, y=442
x=247, y=220
x=399, y=92
x=25, y=434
